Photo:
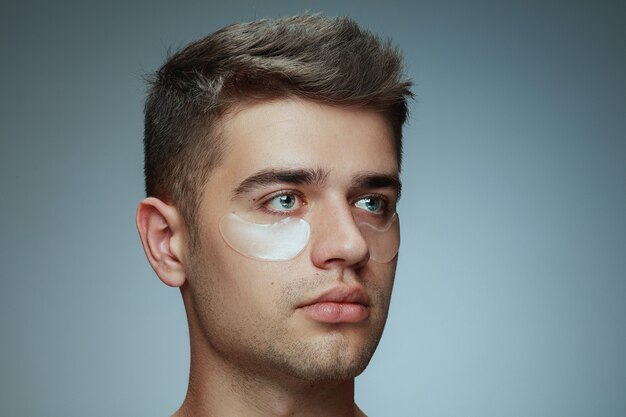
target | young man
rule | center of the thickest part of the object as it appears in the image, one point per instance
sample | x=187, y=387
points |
x=272, y=157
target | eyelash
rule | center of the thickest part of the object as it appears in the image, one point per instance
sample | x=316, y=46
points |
x=384, y=201
x=266, y=201
x=263, y=205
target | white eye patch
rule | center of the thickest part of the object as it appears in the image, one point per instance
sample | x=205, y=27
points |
x=285, y=239
x=279, y=241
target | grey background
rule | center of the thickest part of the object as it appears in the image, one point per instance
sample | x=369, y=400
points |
x=511, y=287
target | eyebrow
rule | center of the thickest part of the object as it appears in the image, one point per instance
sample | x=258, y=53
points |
x=317, y=177
x=369, y=180
x=275, y=176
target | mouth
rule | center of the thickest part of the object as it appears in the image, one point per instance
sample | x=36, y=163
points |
x=340, y=304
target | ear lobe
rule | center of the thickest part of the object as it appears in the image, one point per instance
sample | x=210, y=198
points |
x=161, y=229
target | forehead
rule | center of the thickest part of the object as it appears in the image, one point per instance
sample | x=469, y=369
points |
x=294, y=133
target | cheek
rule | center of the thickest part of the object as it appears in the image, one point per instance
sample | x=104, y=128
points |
x=381, y=280
x=239, y=297
x=240, y=285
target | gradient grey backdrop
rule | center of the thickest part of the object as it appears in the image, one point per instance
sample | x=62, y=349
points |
x=510, y=297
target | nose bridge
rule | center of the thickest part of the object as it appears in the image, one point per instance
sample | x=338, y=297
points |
x=335, y=212
x=336, y=236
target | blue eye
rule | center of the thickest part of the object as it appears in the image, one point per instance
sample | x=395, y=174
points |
x=283, y=202
x=371, y=204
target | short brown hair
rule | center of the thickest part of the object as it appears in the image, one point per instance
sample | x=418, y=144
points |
x=326, y=60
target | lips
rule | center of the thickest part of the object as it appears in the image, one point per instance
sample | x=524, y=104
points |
x=341, y=304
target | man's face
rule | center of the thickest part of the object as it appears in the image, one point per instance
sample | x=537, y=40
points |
x=313, y=160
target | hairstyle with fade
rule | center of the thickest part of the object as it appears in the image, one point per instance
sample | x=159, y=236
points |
x=326, y=60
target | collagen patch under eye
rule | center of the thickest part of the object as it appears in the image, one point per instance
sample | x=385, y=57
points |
x=383, y=242
x=285, y=239
x=279, y=241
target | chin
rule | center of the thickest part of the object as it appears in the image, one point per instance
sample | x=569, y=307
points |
x=329, y=359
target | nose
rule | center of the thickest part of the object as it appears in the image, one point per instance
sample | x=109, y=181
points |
x=337, y=241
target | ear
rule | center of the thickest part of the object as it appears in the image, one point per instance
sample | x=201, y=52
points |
x=163, y=236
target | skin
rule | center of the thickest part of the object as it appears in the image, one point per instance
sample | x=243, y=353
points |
x=254, y=352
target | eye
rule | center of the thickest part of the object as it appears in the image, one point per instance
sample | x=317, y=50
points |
x=371, y=204
x=285, y=202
